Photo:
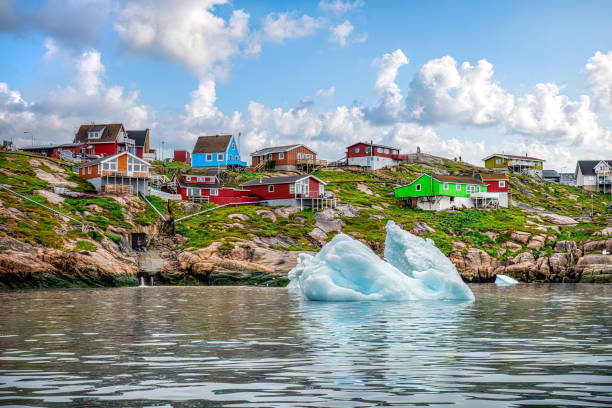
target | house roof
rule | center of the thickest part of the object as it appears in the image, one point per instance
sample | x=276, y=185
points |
x=139, y=136
x=107, y=158
x=493, y=177
x=278, y=149
x=109, y=135
x=456, y=179
x=550, y=174
x=199, y=185
x=212, y=144
x=587, y=167
x=278, y=180
x=40, y=147
x=512, y=156
x=373, y=144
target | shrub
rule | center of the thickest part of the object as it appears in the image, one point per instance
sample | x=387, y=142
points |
x=86, y=246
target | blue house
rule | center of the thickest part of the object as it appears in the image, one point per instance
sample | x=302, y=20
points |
x=216, y=151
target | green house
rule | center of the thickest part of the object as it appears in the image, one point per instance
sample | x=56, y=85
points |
x=516, y=164
x=439, y=192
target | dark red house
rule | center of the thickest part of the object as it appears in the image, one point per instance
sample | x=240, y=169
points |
x=497, y=183
x=293, y=190
x=105, y=140
x=208, y=188
x=55, y=151
x=374, y=156
x=285, y=157
x=182, y=156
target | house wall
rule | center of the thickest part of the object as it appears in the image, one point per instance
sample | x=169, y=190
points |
x=280, y=191
x=182, y=156
x=432, y=187
x=138, y=185
x=313, y=187
x=289, y=160
x=410, y=190
x=200, y=159
x=139, y=151
x=440, y=203
x=503, y=200
x=362, y=151
x=374, y=162
x=492, y=163
x=105, y=149
x=493, y=186
x=95, y=172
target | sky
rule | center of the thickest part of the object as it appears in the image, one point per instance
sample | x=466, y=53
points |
x=455, y=78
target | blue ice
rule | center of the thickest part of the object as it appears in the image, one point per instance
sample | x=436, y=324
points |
x=503, y=280
x=347, y=270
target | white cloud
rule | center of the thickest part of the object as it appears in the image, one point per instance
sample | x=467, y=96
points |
x=55, y=117
x=52, y=49
x=388, y=92
x=184, y=31
x=327, y=92
x=599, y=73
x=278, y=27
x=339, y=6
x=340, y=33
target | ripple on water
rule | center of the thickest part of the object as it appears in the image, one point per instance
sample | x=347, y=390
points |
x=241, y=346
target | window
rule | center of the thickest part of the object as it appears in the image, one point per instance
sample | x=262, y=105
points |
x=281, y=156
x=321, y=189
x=368, y=149
x=380, y=149
x=271, y=188
x=418, y=187
x=291, y=188
x=386, y=151
x=219, y=156
x=497, y=161
x=89, y=170
x=356, y=150
x=458, y=187
x=214, y=192
x=229, y=157
x=446, y=186
x=471, y=188
x=209, y=157
x=502, y=183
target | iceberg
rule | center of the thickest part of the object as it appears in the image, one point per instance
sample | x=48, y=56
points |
x=347, y=270
x=503, y=280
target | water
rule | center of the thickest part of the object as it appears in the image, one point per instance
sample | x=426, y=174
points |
x=545, y=345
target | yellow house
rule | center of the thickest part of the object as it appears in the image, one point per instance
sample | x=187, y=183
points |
x=517, y=164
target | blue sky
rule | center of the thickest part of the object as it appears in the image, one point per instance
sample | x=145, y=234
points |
x=324, y=73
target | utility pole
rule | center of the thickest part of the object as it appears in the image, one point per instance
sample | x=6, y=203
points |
x=32, y=135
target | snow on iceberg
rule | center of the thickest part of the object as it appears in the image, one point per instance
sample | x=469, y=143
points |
x=503, y=280
x=347, y=270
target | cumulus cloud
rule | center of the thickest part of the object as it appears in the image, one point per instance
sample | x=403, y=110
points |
x=185, y=31
x=388, y=92
x=339, y=6
x=55, y=117
x=278, y=27
x=599, y=74
x=339, y=34
x=327, y=92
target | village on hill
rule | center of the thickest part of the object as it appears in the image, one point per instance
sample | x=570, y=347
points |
x=510, y=215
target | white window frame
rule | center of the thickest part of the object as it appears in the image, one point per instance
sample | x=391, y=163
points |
x=471, y=188
x=270, y=188
x=281, y=156
x=89, y=170
x=213, y=191
x=356, y=150
x=417, y=187
x=292, y=188
x=445, y=186
x=497, y=161
x=380, y=149
x=502, y=183
x=220, y=156
x=458, y=187
x=209, y=157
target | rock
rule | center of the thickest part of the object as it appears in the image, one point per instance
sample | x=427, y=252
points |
x=559, y=219
x=491, y=235
x=238, y=216
x=476, y=265
x=364, y=189
x=266, y=214
x=573, y=197
x=458, y=246
x=606, y=232
x=376, y=216
x=326, y=221
x=378, y=208
x=591, y=246
x=348, y=211
x=595, y=268
x=537, y=242
x=285, y=212
x=520, y=236
x=280, y=240
x=301, y=220
x=566, y=246
x=512, y=246
x=501, y=251
x=319, y=235
x=50, y=196
x=420, y=228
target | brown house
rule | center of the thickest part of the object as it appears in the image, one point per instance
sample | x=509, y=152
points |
x=285, y=157
x=120, y=173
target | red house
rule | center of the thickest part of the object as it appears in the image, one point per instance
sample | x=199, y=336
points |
x=374, y=156
x=208, y=188
x=105, y=140
x=182, y=156
x=141, y=143
x=285, y=157
x=497, y=183
x=293, y=190
x=65, y=151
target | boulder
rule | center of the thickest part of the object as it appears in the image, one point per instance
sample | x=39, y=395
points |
x=238, y=216
x=458, y=246
x=285, y=212
x=476, y=265
x=559, y=219
x=319, y=235
x=524, y=257
x=364, y=189
x=50, y=196
x=537, y=242
x=606, y=232
x=326, y=221
x=520, y=236
x=266, y=214
x=512, y=246
x=348, y=211
x=566, y=246
x=420, y=228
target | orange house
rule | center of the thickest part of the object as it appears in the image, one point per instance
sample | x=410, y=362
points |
x=122, y=173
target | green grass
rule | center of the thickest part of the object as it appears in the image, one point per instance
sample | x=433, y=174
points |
x=86, y=246
x=116, y=238
x=112, y=213
x=95, y=235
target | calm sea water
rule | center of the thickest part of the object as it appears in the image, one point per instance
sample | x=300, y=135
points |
x=547, y=345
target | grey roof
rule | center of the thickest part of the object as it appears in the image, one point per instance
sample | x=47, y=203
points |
x=139, y=136
x=550, y=174
x=96, y=161
x=275, y=180
x=587, y=166
x=277, y=149
x=40, y=147
x=96, y=128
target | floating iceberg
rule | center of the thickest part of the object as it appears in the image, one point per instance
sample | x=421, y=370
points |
x=347, y=270
x=503, y=280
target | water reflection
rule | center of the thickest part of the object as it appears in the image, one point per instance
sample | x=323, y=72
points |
x=545, y=344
